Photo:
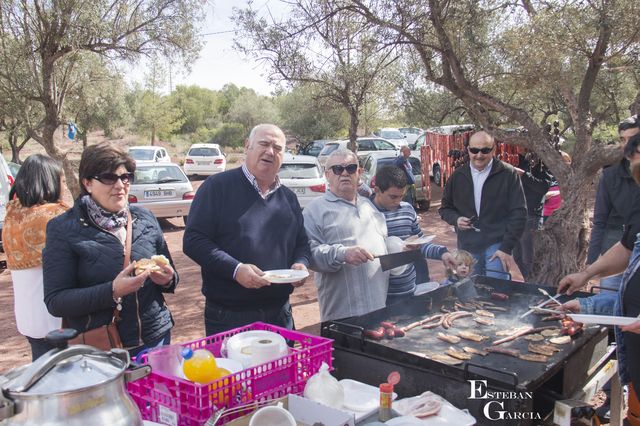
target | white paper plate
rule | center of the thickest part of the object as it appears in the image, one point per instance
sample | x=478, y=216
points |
x=426, y=288
x=603, y=319
x=360, y=399
x=404, y=421
x=425, y=239
x=285, y=276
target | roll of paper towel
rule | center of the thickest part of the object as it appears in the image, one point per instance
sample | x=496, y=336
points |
x=264, y=350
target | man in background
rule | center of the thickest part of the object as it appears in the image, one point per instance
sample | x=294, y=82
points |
x=484, y=201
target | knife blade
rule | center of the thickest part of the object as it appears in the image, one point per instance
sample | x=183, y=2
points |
x=393, y=260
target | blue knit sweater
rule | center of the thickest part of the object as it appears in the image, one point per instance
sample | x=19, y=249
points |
x=229, y=223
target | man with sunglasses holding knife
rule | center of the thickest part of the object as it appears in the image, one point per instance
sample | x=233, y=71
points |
x=485, y=202
x=345, y=231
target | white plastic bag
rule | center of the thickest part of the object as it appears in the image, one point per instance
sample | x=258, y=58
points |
x=322, y=387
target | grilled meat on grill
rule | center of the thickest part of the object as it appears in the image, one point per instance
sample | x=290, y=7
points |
x=560, y=340
x=534, y=337
x=456, y=353
x=543, y=349
x=550, y=332
x=484, y=321
x=475, y=351
x=534, y=358
x=450, y=338
x=468, y=335
x=446, y=359
x=511, y=331
x=484, y=313
x=447, y=321
x=528, y=330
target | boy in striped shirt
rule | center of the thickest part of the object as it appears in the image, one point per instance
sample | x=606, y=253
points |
x=402, y=221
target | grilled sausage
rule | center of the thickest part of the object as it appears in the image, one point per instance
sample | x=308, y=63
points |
x=389, y=333
x=499, y=296
x=376, y=334
x=398, y=332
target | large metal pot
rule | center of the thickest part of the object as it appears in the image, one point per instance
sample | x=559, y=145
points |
x=71, y=386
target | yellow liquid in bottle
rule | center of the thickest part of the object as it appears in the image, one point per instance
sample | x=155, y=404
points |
x=201, y=367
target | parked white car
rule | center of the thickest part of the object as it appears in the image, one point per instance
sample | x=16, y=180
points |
x=163, y=189
x=410, y=133
x=204, y=159
x=393, y=135
x=303, y=175
x=149, y=154
x=366, y=145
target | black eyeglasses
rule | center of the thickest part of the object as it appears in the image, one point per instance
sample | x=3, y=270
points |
x=111, y=178
x=338, y=169
x=482, y=150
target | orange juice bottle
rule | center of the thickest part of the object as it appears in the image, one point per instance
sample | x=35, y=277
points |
x=199, y=366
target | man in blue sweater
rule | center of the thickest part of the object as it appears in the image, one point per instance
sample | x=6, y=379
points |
x=243, y=222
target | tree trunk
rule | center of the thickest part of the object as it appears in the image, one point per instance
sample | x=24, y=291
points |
x=353, y=130
x=153, y=135
x=15, y=149
x=561, y=245
x=85, y=140
x=70, y=170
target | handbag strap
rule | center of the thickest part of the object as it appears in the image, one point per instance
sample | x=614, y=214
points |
x=127, y=260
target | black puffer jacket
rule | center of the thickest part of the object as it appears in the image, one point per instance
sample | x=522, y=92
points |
x=80, y=261
x=503, y=211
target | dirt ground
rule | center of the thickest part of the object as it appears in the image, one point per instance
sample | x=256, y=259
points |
x=187, y=304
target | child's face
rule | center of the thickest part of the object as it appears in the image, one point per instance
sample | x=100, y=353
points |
x=462, y=269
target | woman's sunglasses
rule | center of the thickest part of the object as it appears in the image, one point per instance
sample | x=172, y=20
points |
x=338, y=169
x=112, y=178
x=482, y=150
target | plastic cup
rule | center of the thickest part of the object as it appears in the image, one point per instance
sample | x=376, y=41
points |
x=273, y=415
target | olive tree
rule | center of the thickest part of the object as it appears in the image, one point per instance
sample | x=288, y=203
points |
x=335, y=51
x=521, y=63
x=47, y=38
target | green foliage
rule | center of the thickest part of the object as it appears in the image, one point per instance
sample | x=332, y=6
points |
x=199, y=107
x=250, y=109
x=230, y=134
x=310, y=116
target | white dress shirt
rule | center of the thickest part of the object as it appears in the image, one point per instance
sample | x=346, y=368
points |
x=479, y=177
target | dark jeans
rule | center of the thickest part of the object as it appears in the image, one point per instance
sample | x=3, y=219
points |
x=39, y=347
x=218, y=319
x=523, y=252
x=164, y=340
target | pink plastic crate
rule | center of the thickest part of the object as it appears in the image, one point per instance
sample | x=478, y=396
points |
x=172, y=400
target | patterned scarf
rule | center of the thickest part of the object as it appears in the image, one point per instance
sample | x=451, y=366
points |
x=102, y=218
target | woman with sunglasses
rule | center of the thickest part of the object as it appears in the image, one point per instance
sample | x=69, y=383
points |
x=85, y=280
x=38, y=195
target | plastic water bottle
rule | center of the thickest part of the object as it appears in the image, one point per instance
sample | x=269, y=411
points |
x=199, y=366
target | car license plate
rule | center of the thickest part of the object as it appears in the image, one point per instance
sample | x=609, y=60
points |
x=204, y=163
x=299, y=191
x=161, y=193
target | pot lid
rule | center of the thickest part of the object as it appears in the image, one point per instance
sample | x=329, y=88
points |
x=71, y=369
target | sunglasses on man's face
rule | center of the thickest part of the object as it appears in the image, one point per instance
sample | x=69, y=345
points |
x=338, y=169
x=112, y=178
x=482, y=150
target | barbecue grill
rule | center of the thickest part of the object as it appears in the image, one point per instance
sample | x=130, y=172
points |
x=532, y=387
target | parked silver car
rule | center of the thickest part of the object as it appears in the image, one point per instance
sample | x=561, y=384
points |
x=366, y=145
x=374, y=161
x=163, y=188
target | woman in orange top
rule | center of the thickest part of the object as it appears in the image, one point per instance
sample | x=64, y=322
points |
x=38, y=190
